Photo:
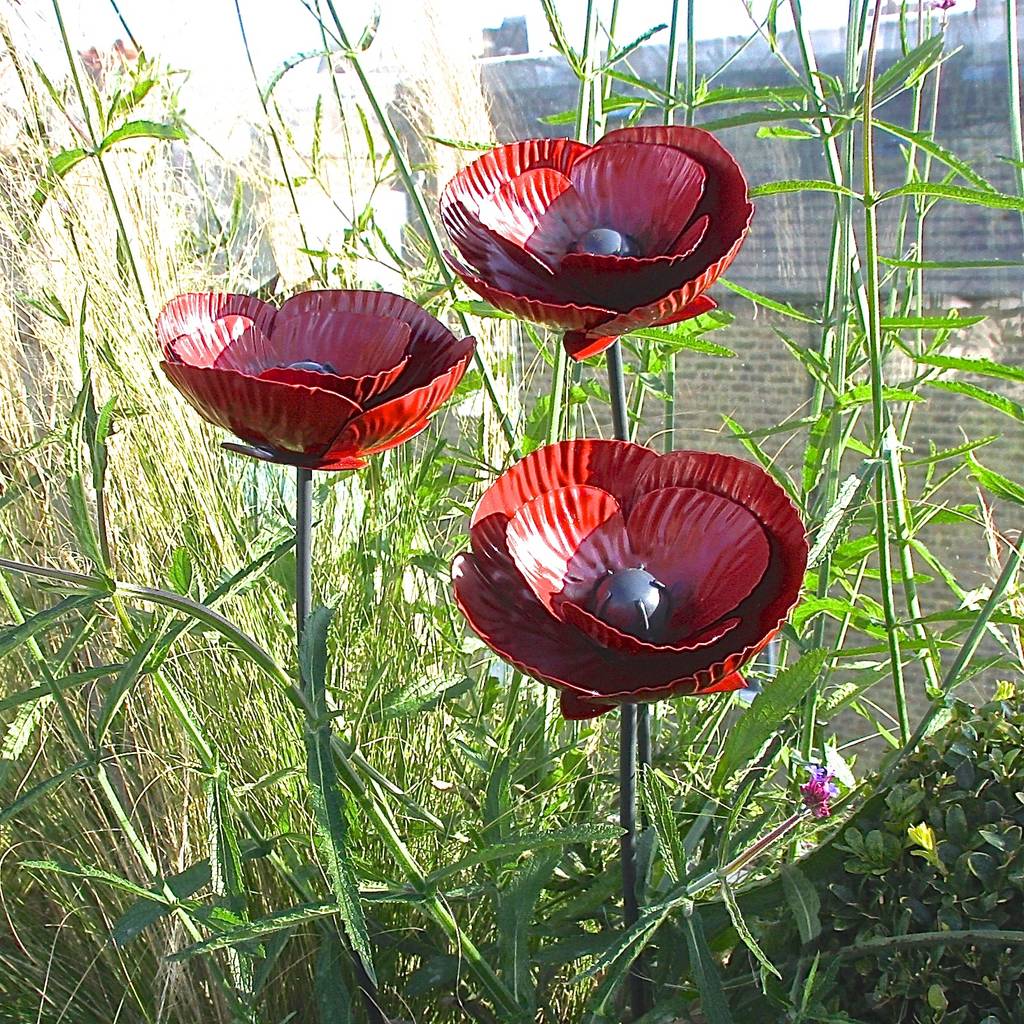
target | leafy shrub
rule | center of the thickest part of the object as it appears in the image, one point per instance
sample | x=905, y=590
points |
x=920, y=897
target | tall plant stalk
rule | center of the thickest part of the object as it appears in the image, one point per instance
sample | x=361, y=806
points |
x=882, y=436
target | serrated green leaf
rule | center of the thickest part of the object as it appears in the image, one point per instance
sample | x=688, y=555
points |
x=1001, y=486
x=141, y=130
x=736, y=916
x=713, y=1003
x=766, y=714
x=803, y=900
x=18, y=634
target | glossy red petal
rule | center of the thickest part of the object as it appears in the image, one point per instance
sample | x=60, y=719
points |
x=547, y=310
x=624, y=282
x=505, y=613
x=709, y=551
x=186, y=314
x=230, y=343
x=355, y=344
x=647, y=191
x=423, y=327
x=725, y=198
x=540, y=211
x=389, y=423
x=614, y=466
x=290, y=419
x=564, y=540
x=614, y=639
x=747, y=484
x=735, y=681
x=700, y=305
x=582, y=345
x=578, y=709
x=485, y=175
x=500, y=260
x=360, y=390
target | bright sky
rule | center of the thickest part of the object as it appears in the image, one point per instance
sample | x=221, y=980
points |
x=187, y=31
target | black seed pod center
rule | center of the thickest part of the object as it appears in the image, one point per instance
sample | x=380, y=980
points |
x=607, y=242
x=633, y=601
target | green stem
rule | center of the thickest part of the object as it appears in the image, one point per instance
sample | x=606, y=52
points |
x=108, y=184
x=1013, y=70
x=879, y=413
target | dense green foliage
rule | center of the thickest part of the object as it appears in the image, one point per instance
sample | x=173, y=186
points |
x=919, y=896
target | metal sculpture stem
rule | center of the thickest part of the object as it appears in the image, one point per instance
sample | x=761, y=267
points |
x=628, y=735
x=303, y=606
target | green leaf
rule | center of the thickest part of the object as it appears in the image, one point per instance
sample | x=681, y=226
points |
x=56, y=169
x=91, y=874
x=959, y=194
x=18, y=634
x=782, y=132
x=743, y=931
x=656, y=796
x=803, y=901
x=762, y=300
x=477, y=307
x=520, y=843
x=1004, y=405
x=766, y=714
x=292, y=917
x=333, y=999
x=762, y=457
x=714, y=1006
x=999, y=485
x=837, y=520
x=141, y=130
x=126, y=679
x=50, y=785
x=931, y=323
x=680, y=338
x=924, y=141
x=773, y=188
x=982, y=367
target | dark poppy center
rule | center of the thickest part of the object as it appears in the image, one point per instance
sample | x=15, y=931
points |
x=312, y=366
x=607, y=242
x=633, y=601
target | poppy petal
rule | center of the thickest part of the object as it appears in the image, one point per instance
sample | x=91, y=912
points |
x=768, y=604
x=614, y=639
x=540, y=211
x=565, y=540
x=485, y=175
x=288, y=418
x=646, y=191
x=547, y=310
x=623, y=282
x=423, y=327
x=189, y=313
x=709, y=551
x=388, y=424
x=233, y=342
x=354, y=344
x=614, y=466
x=578, y=709
x=506, y=614
x=359, y=389
x=725, y=197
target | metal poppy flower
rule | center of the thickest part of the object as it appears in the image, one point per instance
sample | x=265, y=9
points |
x=599, y=240
x=323, y=382
x=618, y=575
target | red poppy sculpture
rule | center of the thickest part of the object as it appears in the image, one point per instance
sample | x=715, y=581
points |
x=321, y=383
x=599, y=240
x=619, y=575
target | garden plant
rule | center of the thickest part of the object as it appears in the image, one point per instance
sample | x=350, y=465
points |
x=467, y=619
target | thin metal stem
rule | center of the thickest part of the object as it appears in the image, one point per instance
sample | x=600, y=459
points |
x=627, y=848
x=628, y=736
x=314, y=693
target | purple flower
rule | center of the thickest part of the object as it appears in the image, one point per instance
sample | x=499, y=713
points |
x=818, y=790
x=943, y=5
